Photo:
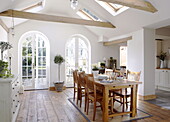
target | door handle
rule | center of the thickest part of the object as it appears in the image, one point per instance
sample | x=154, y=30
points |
x=33, y=65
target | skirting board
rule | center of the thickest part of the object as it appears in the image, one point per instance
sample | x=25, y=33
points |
x=53, y=88
x=147, y=97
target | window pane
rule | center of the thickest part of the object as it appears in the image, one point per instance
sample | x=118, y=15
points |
x=41, y=51
x=29, y=71
x=42, y=61
x=24, y=61
x=24, y=51
x=29, y=51
x=24, y=71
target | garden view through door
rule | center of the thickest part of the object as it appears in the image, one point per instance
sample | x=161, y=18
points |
x=34, y=68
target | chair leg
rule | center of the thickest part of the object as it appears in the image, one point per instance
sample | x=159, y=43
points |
x=77, y=96
x=80, y=100
x=94, y=112
x=112, y=105
x=85, y=103
x=123, y=107
x=74, y=94
x=126, y=103
x=87, y=106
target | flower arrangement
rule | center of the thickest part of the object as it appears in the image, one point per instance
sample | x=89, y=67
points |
x=4, y=46
x=95, y=67
x=162, y=56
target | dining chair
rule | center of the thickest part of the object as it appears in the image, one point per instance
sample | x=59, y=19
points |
x=81, y=87
x=92, y=94
x=124, y=94
x=82, y=78
x=75, y=78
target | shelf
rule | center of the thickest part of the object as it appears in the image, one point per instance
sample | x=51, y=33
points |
x=163, y=68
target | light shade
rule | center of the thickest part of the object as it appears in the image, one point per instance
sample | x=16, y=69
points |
x=74, y=4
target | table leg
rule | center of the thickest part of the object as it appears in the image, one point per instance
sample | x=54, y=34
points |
x=105, y=104
x=133, y=101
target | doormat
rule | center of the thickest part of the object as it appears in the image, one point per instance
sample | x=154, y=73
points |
x=125, y=118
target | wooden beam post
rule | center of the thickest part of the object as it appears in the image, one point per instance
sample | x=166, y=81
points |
x=4, y=26
x=52, y=18
x=137, y=4
x=122, y=40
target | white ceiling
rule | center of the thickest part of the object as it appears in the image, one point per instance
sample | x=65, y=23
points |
x=126, y=22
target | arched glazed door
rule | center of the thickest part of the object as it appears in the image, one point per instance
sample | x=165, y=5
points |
x=34, y=61
x=77, y=57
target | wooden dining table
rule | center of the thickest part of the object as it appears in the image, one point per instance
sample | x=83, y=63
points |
x=119, y=84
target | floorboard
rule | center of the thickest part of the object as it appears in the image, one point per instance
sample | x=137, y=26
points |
x=51, y=106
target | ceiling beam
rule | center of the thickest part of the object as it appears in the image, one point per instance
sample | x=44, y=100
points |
x=52, y=18
x=117, y=41
x=4, y=26
x=137, y=4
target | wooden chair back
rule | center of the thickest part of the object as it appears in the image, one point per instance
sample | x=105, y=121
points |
x=109, y=72
x=82, y=79
x=75, y=76
x=133, y=76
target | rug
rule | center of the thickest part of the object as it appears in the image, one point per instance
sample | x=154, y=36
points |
x=162, y=99
x=125, y=118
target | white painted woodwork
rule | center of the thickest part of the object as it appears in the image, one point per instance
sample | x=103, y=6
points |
x=9, y=99
x=4, y=26
x=162, y=79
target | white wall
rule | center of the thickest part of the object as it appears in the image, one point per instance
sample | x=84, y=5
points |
x=135, y=55
x=58, y=34
x=141, y=57
x=149, y=62
x=3, y=37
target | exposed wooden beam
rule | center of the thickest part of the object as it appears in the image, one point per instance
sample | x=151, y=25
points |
x=4, y=26
x=52, y=18
x=122, y=40
x=33, y=6
x=137, y=4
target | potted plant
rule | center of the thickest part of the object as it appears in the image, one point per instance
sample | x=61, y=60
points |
x=95, y=70
x=4, y=72
x=58, y=59
x=4, y=46
x=162, y=57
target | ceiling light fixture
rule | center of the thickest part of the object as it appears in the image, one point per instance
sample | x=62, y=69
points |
x=74, y=4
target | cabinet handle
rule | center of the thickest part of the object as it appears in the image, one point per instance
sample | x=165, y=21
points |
x=13, y=112
x=17, y=82
x=13, y=88
x=16, y=106
x=13, y=100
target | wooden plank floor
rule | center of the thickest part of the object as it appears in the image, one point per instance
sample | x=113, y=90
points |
x=50, y=106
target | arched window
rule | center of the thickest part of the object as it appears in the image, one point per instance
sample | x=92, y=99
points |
x=33, y=56
x=78, y=56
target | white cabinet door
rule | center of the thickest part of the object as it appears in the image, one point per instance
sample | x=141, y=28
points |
x=166, y=79
x=157, y=78
x=162, y=78
x=169, y=79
